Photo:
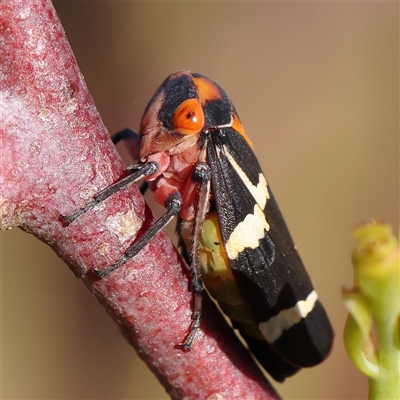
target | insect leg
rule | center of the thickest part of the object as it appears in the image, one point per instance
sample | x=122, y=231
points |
x=202, y=175
x=173, y=204
x=125, y=134
x=137, y=172
x=131, y=138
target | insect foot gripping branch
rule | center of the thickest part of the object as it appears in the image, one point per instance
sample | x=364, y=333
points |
x=198, y=160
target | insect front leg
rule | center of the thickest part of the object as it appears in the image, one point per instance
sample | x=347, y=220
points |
x=201, y=175
x=136, y=172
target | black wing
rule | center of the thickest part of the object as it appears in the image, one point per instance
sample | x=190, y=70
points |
x=265, y=263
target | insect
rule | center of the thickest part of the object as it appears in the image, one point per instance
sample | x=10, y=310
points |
x=198, y=160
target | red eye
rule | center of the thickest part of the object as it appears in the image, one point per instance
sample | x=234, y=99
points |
x=188, y=118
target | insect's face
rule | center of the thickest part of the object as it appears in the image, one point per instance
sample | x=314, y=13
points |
x=185, y=105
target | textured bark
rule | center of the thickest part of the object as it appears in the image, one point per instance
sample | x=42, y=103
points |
x=55, y=156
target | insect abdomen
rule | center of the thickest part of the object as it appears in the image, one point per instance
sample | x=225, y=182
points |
x=218, y=279
x=217, y=276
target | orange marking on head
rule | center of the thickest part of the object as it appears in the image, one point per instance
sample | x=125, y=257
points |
x=206, y=90
x=238, y=127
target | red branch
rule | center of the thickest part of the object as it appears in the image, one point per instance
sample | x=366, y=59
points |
x=55, y=155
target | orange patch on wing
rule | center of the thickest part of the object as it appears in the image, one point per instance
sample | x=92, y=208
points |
x=206, y=90
x=238, y=127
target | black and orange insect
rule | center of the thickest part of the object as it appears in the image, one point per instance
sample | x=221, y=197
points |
x=198, y=160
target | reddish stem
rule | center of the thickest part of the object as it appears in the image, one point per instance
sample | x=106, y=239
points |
x=55, y=155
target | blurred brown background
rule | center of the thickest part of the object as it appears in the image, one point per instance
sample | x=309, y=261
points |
x=316, y=86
